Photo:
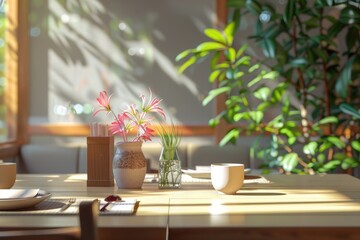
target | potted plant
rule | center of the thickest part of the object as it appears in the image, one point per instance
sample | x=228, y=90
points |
x=306, y=83
x=169, y=162
x=129, y=164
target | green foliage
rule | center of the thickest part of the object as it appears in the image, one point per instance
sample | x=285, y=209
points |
x=312, y=132
x=169, y=137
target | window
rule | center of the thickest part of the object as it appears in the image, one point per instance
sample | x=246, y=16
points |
x=5, y=134
x=14, y=77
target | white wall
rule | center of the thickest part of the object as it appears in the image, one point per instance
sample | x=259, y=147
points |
x=79, y=48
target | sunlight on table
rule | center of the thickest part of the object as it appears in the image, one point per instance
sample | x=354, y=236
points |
x=303, y=201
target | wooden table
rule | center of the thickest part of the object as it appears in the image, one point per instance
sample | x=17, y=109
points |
x=289, y=207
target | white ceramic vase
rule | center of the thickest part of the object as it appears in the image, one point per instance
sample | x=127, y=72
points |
x=129, y=165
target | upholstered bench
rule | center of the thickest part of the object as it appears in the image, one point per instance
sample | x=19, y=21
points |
x=51, y=158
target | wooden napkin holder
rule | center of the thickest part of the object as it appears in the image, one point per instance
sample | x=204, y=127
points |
x=100, y=152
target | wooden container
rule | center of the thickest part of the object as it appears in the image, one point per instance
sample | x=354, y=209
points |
x=100, y=152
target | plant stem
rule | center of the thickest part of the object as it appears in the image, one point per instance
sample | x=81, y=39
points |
x=324, y=67
x=303, y=92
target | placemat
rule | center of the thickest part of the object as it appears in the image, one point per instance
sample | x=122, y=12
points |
x=249, y=179
x=53, y=205
x=185, y=178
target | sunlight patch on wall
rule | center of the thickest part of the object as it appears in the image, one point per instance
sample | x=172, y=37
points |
x=84, y=47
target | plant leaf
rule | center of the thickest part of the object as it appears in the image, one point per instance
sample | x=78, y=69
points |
x=331, y=165
x=245, y=60
x=208, y=46
x=256, y=116
x=348, y=109
x=272, y=31
x=183, y=54
x=187, y=64
x=289, y=12
x=289, y=162
x=231, y=54
x=329, y=2
x=349, y=163
x=262, y=93
x=241, y=50
x=352, y=37
x=336, y=141
x=263, y=106
x=235, y=3
x=229, y=33
x=277, y=94
x=299, y=62
x=321, y=158
x=350, y=15
x=268, y=46
x=239, y=75
x=340, y=156
x=254, y=81
x=324, y=146
x=238, y=116
x=288, y=132
x=271, y=75
x=253, y=7
x=356, y=145
x=345, y=78
x=310, y=148
x=215, y=35
x=231, y=135
x=325, y=120
x=223, y=65
x=291, y=140
x=215, y=59
x=335, y=29
x=214, y=75
x=214, y=93
x=254, y=67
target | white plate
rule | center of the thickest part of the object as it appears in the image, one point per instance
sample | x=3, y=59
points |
x=203, y=173
x=19, y=203
x=8, y=194
x=197, y=173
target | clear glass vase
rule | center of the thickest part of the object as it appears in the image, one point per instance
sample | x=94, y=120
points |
x=169, y=169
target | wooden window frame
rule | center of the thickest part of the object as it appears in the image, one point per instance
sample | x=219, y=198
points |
x=17, y=74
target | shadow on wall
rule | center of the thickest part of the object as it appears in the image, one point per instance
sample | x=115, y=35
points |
x=82, y=47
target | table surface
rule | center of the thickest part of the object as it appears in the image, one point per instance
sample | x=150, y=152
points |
x=313, y=204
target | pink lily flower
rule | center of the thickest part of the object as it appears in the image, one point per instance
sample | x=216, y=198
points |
x=104, y=103
x=145, y=132
x=152, y=105
x=119, y=126
x=116, y=128
x=132, y=118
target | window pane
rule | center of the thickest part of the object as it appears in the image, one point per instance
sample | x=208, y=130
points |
x=4, y=130
x=79, y=48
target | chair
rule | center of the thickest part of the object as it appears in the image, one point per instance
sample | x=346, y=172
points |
x=88, y=214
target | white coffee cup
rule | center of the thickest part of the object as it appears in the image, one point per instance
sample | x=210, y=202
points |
x=7, y=174
x=227, y=178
